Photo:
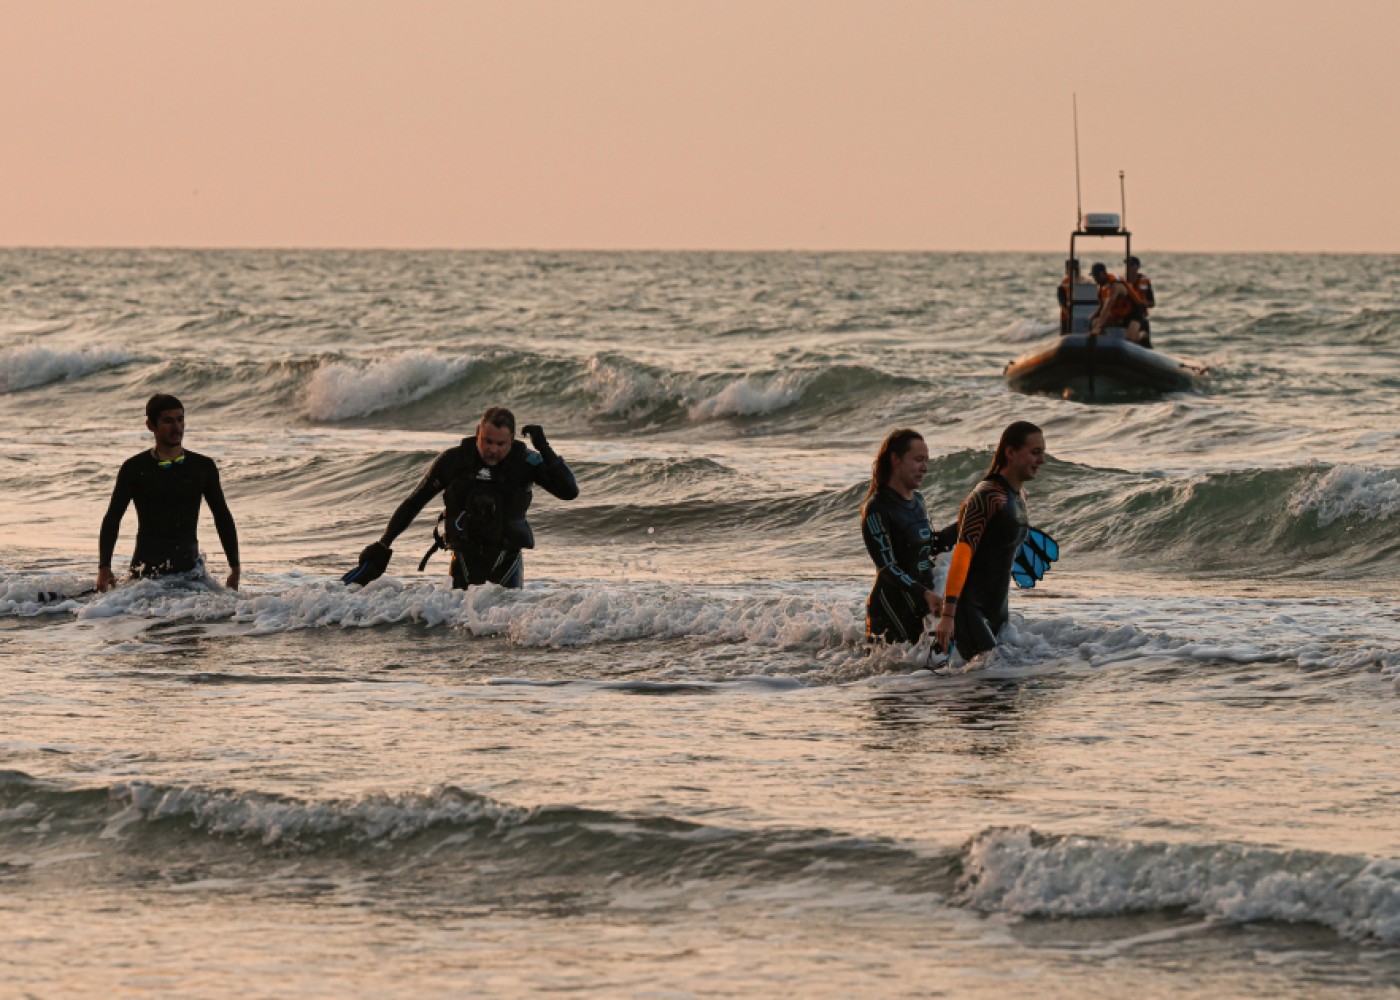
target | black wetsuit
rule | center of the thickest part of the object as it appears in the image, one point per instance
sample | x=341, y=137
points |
x=167, y=496
x=993, y=523
x=901, y=542
x=484, y=522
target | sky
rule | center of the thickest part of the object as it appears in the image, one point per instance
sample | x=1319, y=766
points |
x=1241, y=125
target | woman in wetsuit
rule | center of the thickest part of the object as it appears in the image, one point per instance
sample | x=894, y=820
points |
x=898, y=537
x=992, y=525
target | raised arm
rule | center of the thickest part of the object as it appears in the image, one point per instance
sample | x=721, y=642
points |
x=547, y=469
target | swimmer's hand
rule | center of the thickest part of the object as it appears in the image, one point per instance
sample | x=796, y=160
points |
x=536, y=435
x=943, y=633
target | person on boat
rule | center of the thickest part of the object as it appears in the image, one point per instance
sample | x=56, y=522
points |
x=1146, y=298
x=901, y=543
x=992, y=525
x=166, y=483
x=1117, y=303
x=1065, y=292
x=486, y=482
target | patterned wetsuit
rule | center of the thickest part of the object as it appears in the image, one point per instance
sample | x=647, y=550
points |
x=167, y=497
x=486, y=506
x=992, y=524
x=902, y=544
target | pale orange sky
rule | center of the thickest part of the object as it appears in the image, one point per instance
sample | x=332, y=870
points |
x=678, y=124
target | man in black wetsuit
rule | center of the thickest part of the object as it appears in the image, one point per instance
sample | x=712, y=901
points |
x=897, y=535
x=166, y=482
x=486, y=482
x=992, y=525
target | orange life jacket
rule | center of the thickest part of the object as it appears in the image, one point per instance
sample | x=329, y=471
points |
x=1116, y=311
x=1141, y=288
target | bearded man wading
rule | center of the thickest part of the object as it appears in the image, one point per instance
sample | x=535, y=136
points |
x=486, y=483
x=992, y=524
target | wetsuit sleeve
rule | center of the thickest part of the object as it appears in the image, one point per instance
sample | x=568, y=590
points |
x=112, y=522
x=944, y=540
x=1062, y=294
x=550, y=473
x=1150, y=295
x=875, y=529
x=433, y=483
x=223, y=517
x=977, y=513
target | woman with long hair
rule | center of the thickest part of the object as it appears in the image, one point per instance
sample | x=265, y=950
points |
x=899, y=539
x=992, y=524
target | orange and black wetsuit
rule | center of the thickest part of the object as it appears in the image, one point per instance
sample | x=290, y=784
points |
x=992, y=525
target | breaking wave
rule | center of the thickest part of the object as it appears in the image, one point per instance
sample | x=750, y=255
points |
x=1018, y=872
x=32, y=365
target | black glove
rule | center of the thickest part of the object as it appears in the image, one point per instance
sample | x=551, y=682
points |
x=536, y=435
x=374, y=560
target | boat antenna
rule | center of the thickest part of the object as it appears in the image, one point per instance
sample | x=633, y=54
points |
x=1078, y=199
x=1123, y=198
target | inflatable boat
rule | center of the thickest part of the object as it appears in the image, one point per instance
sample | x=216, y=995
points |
x=1084, y=365
x=1092, y=366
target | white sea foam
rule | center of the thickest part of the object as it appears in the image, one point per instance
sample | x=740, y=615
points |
x=1020, y=872
x=339, y=389
x=30, y=365
x=568, y=616
x=20, y=593
x=1346, y=491
x=274, y=820
x=749, y=396
x=183, y=598
x=623, y=393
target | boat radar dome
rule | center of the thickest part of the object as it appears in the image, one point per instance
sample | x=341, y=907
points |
x=1102, y=223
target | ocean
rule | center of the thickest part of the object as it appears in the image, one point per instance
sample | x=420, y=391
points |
x=670, y=766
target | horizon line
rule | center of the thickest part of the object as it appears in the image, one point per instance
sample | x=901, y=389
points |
x=313, y=248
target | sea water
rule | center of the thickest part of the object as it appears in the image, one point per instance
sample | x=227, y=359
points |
x=670, y=765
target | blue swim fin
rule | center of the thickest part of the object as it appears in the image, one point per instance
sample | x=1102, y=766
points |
x=1037, y=552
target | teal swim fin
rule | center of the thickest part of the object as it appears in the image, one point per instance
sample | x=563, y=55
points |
x=1033, y=560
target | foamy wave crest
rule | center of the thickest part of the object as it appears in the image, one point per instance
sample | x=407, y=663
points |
x=623, y=393
x=1023, y=330
x=189, y=596
x=1348, y=491
x=273, y=819
x=1021, y=872
x=748, y=397
x=565, y=616
x=31, y=365
x=339, y=390
x=28, y=594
